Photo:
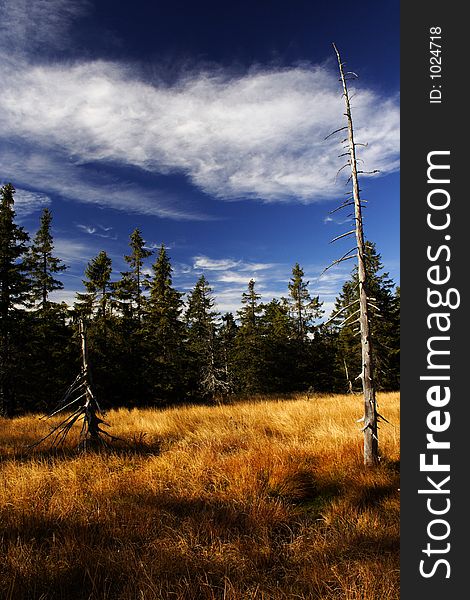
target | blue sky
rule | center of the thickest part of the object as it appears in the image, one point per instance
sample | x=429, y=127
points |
x=202, y=123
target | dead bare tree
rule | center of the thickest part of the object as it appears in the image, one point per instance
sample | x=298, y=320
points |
x=362, y=314
x=81, y=401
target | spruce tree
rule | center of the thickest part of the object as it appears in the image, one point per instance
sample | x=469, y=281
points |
x=304, y=308
x=202, y=323
x=250, y=351
x=384, y=325
x=249, y=314
x=43, y=265
x=164, y=332
x=129, y=290
x=278, y=329
x=94, y=307
x=128, y=348
x=50, y=353
x=98, y=287
x=14, y=289
x=227, y=342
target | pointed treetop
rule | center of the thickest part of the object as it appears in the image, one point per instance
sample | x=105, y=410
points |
x=42, y=263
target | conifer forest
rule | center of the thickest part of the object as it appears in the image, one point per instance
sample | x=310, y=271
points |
x=199, y=395
x=150, y=345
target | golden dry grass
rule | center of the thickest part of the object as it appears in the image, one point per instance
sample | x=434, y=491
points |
x=261, y=500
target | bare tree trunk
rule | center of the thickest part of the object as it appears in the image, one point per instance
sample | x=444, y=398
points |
x=7, y=397
x=88, y=410
x=371, y=450
x=91, y=421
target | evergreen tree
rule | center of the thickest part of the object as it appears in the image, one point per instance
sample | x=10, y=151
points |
x=304, y=308
x=129, y=290
x=227, y=340
x=250, y=355
x=323, y=373
x=249, y=314
x=128, y=349
x=14, y=290
x=279, y=360
x=50, y=357
x=203, y=343
x=48, y=371
x=98, y=287
x=42, y=264
x=94, y=306
x=164, y=331
x=384, y=324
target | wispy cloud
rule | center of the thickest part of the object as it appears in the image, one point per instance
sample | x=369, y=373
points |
x=98, y=230
x=69, y=296
x=27, y=26
x=28, y=203
x=232, y=277
x=62, y=177
x=73, y=252
x=229, y=278
x=87, y=228
x=258, y=135
x=210, y=264
x=224, y=264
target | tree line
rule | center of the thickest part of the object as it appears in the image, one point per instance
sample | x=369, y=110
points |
x=151, y=345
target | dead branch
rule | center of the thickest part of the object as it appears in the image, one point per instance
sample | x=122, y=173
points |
x=335, y=262
x=341, y=310
x=371, y=456
x=84, y=407
x=336, y=131
x=338, y=237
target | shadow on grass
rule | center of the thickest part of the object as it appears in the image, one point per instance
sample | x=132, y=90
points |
x=51, y=454
x=90, y=561
x=162, y=545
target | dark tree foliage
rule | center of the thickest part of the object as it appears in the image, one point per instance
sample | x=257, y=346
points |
x=208, y=361
x=129, y=290
x=250, y=358
x=48, y=353
x=278, y=334
x=304, y=309
x=96, y=299
x=148, y=347
x=14, y=290
x=128, y=336
x=227, y=344
x=42, y=265
x=165, y=355
x=50, y=357
x=95, y=307
x=384, y=322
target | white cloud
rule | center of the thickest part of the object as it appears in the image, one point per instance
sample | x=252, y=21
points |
x=41, y=170
x=259, y=135
x=73, y=251
x=27, y=202
x=27, y=26
x=87, y=228
x=225, y=264
x=210, y=264
x=67, y=295
x=98, y=230
x=231, y=277
x=255, y=267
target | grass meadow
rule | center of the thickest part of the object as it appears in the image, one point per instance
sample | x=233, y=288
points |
x=262, y=499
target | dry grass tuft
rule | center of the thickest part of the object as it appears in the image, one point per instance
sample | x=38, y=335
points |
x=261, y=500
